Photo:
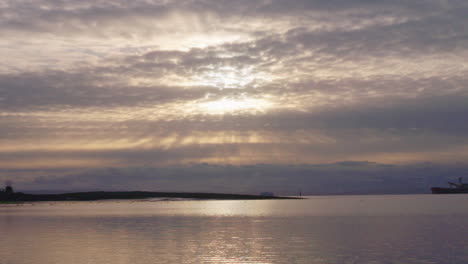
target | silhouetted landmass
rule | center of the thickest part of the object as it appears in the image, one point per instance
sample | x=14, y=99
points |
x=92, y=196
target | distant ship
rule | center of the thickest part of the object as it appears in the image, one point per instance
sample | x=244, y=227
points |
x=459, y=187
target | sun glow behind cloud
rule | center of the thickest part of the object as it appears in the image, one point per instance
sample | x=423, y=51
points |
x=137, y=83
x=226, y=77
x=229, y=105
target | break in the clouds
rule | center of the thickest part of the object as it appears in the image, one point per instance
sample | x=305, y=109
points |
x=87, y=85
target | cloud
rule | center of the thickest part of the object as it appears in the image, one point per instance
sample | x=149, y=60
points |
x=339, y=178
x=92, y=84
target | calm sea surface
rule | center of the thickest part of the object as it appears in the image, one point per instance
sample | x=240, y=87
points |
x=328, y=229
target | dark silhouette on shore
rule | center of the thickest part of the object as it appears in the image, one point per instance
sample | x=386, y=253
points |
x=459, y=187
x=9, y=190
x=10, y=195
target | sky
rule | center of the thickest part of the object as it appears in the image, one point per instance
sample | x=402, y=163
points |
x=335, y=96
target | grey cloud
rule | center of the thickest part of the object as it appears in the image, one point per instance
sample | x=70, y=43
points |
x=363, y=106
x=345, y=177
x=91, y=17
x=429, y=112
x=425, y=123
x=83, y=89
x=445, y=33
x=366, y=47
x=442, y=33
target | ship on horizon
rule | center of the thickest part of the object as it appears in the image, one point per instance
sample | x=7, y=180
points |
x=459, y=187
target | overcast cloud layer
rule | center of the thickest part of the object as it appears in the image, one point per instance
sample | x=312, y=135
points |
x=239, y=87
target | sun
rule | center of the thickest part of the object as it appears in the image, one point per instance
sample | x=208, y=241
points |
x=227, y=78
x=230, y=78
x=231, y=105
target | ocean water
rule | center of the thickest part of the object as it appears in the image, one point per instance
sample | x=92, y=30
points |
x=402, y=229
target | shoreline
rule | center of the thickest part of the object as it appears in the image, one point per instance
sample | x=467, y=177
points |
x=126, y=195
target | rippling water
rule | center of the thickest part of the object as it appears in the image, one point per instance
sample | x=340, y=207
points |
x=329, y=229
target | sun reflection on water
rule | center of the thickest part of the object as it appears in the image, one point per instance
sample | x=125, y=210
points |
x=316, y=230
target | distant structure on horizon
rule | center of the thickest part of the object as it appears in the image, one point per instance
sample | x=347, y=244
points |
x=459, y=187
x=8, y=189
